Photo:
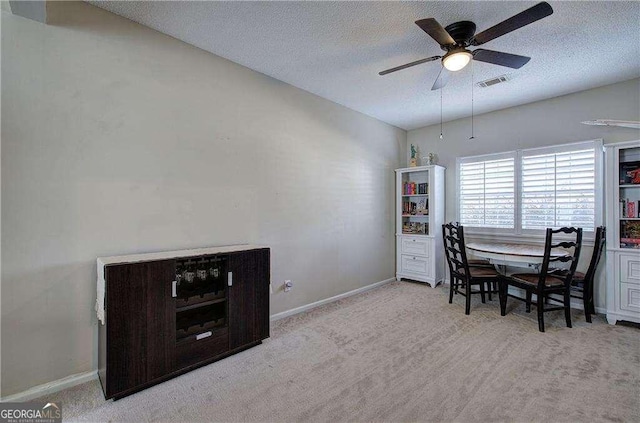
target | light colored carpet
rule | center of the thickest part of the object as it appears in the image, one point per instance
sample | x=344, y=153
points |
x=400, y=353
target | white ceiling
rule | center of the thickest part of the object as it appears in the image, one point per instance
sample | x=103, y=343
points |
x=336, y=49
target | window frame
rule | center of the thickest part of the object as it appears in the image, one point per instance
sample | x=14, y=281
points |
x=517, y=233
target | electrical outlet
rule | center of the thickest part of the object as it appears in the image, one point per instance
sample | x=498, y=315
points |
x=287, y=285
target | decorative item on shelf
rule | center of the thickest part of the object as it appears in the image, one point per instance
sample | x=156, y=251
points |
x=421, y=207
x=634, y=175
x=629, y=173
x=413, y=162
x=631, y=209
x=630, y=234
x=430, y=159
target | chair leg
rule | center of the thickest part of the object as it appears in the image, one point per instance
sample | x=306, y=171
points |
x=489, y=291
x=587, y=302
x=467, y=300
x=540, y=318
x=587, y=307
x=567, y=306
x=528, y=302
x=540, y=304
x=482, y=292
x=451, y=289
x=502, y=294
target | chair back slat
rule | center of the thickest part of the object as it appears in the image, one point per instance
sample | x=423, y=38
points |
x=453, y=238
x=564, y=244
x=572, y=256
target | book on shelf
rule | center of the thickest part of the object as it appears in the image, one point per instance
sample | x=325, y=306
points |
x=412, y=188
x=419, y=208
x=415, y=228
x=629, y=208
x=629, y=242
x=408, y=207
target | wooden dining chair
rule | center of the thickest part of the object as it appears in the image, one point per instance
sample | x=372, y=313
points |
x=582, y=283
x=548, y=280
x=463, y=275
x=452, y=228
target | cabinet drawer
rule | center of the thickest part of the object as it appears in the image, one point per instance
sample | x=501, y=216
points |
x=194, y=350
x=630, y=297
x=415, y=264
x=416, y=246
x=630, y=268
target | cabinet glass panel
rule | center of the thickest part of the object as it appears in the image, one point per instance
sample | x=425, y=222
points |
x=629, y=209
x=415, y=203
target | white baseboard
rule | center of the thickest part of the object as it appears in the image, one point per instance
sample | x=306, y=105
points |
x=51, y=387
x=307, y=307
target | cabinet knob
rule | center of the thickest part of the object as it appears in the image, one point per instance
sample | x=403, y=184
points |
x=174, y=289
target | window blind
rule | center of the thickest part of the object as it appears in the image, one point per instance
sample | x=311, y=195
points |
x=487, y=193
x=558, y=189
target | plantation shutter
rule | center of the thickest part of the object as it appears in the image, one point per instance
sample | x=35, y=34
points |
x=558, y=189
x=487, y=193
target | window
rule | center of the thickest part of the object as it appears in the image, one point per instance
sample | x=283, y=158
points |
x=526, y=191
x=558, y=189
x=487, y=197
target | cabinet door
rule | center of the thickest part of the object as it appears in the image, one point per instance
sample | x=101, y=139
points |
x=140, y=324
x=248, y=297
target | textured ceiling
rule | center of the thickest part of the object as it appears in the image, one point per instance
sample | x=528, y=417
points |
x=336, y=49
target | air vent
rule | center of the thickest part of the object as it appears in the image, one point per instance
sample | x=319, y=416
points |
x=492, y=81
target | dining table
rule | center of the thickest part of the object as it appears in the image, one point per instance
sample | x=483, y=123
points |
x=502, y=254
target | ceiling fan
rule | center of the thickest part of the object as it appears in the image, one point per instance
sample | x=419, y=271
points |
x=455, y=38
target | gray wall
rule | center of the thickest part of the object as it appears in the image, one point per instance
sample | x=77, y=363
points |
x=117, y=139
x=543, y=123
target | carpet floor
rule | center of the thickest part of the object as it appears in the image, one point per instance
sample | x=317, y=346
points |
x=400, y=352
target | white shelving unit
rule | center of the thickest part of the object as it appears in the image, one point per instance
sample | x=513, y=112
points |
x=419, y=218
x=623, y=233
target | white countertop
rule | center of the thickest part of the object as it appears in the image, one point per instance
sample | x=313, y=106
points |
x=162, y=255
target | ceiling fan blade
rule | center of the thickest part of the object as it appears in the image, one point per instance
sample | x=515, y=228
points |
x=524, y=18
x=499, y=58
x=436, y=31
x=441, y=80
x=408, y=65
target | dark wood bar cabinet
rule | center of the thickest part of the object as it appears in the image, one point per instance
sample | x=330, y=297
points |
x=164, y=314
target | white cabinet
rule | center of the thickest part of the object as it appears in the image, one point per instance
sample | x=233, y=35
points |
x=419, y=218
x=623, y=231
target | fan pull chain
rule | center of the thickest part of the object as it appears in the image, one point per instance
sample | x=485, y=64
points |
x=472, y=137
x=441, y=89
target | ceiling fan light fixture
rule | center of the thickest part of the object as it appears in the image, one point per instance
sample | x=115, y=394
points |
x=456, y=60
